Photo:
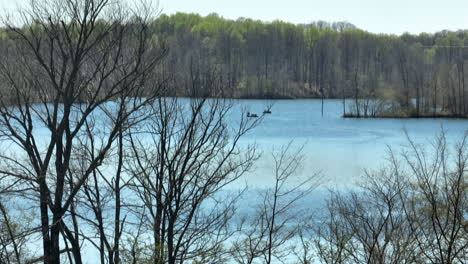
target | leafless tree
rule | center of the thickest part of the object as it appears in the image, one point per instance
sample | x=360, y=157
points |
x=273, y=225
x=10, y=244
x=182, y=159
x=414, y=211
x=70, y=61
x=368, y=225
x=14, y=226
x=436, y=209
x=101, y=207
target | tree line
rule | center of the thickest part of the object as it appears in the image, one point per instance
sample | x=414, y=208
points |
x=411, y=75
x=383, y=75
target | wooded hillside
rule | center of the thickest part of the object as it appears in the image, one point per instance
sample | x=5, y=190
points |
x=283, y=60
x=410, y=75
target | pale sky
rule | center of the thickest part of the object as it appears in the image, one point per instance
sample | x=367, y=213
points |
x=378, y=16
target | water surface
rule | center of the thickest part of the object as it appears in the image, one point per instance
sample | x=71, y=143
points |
x=337, y=147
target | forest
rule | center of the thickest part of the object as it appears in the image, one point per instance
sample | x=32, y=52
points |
x=409, y=75
x=380, y=75
x=120, y=141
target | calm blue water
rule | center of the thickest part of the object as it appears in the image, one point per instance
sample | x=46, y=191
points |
x=338, y=148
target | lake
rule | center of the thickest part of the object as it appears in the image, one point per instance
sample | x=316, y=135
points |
x=339, y=148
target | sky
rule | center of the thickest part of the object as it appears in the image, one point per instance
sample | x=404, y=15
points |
x=377, y=16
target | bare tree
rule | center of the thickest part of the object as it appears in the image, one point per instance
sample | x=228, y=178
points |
x=273, y=225
x=101, y=207
x=11, y=239
x=182, y=160
x=14, y=225
x=367, y=226
x=414, y=211
x=69, y=60
x=437, y=206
